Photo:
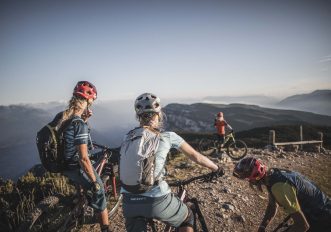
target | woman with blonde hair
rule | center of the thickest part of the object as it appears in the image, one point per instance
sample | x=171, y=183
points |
x=77, y=164
x=156, y=201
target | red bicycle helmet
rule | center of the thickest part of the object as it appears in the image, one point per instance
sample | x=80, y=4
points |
x=86, y=90
x=220, y=114
x=250, y=168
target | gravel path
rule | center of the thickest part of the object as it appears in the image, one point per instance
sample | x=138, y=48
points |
x=230, y=204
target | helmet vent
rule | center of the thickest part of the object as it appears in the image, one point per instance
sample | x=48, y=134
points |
x=147, y=103
x=85, y=90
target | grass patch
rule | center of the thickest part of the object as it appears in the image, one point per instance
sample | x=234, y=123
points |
x=18, y=199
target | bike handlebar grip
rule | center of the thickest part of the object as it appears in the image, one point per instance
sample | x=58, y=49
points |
x=220, y=171
x=214, y=175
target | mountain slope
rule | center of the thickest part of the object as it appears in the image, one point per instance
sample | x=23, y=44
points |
x=199, y=117
x=318, y=101
x=250, y=99
x=112, y=120
x=259, y=137
x=20, y=124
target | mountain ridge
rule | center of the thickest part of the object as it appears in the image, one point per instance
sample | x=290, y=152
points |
x=111, y=121
x=316, y=101
x=199, y=117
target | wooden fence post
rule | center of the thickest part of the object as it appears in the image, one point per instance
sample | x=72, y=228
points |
x=301, y=136
x=272, y=137
x=321, y=138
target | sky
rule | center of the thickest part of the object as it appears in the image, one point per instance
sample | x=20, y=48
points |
x=175, y=49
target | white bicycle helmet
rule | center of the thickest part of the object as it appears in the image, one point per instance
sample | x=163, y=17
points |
x=147, y=102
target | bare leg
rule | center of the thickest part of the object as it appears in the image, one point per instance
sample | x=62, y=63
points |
x=104, y=217
x=186, y=229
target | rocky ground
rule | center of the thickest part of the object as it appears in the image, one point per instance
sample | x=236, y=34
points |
x=230, y=204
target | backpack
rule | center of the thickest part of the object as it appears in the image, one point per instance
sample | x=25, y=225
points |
x=137, y=160
x=50, y=144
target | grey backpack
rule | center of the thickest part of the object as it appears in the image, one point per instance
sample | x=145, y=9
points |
x=137, y=160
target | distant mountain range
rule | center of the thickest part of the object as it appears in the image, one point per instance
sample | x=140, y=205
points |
x=112, y=119
x=199, y=117
x=17, y=122
x=20, y=124
x=260, y=100
x=318, y=101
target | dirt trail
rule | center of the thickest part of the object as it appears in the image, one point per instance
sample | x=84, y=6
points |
x=229, y=204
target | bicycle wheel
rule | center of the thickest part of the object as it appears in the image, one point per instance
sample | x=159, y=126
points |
x=237, y=150
x=112, y=191
x=206, y=146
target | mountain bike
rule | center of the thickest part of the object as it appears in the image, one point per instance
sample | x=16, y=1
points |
x=182, y=192
x=59, y=213
x=235, y=149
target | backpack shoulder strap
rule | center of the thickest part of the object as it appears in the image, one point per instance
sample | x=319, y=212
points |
x=277, y=176
x=155, y=131
x=51, y=129
x=158, y=136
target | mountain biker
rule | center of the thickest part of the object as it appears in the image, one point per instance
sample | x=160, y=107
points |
x=78, y=166
x=307, y=205
x=159, y=202
x=220, y=125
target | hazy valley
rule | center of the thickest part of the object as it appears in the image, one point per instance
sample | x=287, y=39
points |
x=112, y=119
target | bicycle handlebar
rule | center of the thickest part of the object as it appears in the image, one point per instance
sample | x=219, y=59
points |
x=113, y=153
x=100, y=146
x=178, y=183
x=115, y=149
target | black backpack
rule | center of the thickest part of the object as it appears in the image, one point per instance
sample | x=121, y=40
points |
x=50, y=143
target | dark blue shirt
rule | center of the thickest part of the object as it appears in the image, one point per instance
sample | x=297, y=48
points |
x=311, y=199
x=77, y=133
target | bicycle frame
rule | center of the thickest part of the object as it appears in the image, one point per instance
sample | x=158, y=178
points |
x=228, y=138
x=76, y=205
x=235, y=149
x=183, y=196
x=101, y=164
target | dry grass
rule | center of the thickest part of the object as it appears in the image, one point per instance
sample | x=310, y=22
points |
x=18, y=199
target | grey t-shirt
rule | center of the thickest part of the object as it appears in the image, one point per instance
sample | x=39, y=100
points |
x=168, y=140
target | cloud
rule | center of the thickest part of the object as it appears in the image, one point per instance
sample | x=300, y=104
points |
x=325, y=59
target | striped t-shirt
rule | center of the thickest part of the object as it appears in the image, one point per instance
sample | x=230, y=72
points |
x=77, y=133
